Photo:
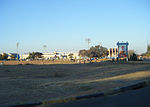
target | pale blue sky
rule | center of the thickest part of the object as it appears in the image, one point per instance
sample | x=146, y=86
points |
x=63, y=25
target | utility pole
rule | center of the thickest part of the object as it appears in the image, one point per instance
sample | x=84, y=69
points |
x=17, y=49
x=88, y=40
x=44, y=47
x=147, y=43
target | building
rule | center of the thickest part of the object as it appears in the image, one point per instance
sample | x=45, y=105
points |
x=13, y=56
x=48, y=56
x=54, y=55
x=24, y=56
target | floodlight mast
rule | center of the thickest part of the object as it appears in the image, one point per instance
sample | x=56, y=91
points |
x=44, y=47
x=88, y=40
x=147, y=43
x=17, y=49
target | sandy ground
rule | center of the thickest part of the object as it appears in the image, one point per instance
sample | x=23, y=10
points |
x=21, y=84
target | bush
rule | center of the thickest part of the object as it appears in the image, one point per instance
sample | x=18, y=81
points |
x=133, y=57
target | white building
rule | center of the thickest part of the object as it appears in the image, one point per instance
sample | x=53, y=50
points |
x=24, y=56
x=54, y=55
x=48, y=56
x=75, y=55
x=60, y=55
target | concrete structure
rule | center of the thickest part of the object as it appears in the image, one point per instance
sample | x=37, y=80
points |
x=75, y=55
x=48, y=56
x=113, y=52
x=24, y=56
x=54, y=55
x=60, y=55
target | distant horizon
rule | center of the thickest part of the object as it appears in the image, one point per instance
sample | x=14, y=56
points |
x=46, y=51
x=64, y=25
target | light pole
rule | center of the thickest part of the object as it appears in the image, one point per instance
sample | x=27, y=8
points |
x=147, y=43
x=17, y=49
x=88, y=40
x=44, y=47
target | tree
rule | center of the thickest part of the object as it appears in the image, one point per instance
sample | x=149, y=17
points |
x=70, y=55
x=148, y=51
x=97, y=52
x=148, y=48
x=82, y=53
x=130, y=53
x=0, y=56
x=35, y=55
x=4, y=56
x=132, y=56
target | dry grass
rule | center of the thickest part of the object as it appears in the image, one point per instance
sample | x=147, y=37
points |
x=39, y=62
x=125, y=77
x=33, y=83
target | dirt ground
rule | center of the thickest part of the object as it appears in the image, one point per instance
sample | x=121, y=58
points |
x=28, y=83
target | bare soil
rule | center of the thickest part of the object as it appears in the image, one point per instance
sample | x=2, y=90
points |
x=28, y=83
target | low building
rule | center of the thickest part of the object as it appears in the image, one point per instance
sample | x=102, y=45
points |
x=74, y=55
x=48, y=56
x=54, y=55
x=13, y=56
x=24, y=56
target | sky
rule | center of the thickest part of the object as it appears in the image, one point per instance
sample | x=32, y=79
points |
x=64, y=25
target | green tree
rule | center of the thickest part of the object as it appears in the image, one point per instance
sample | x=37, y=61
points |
x=35, y=55
x=148, y=51
x=148, y=48
x=4, y=56
x=98, y=51
x=0, y=56
x=82, y=53
x=70, y=55
x=133, y=57
x=94, y=51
